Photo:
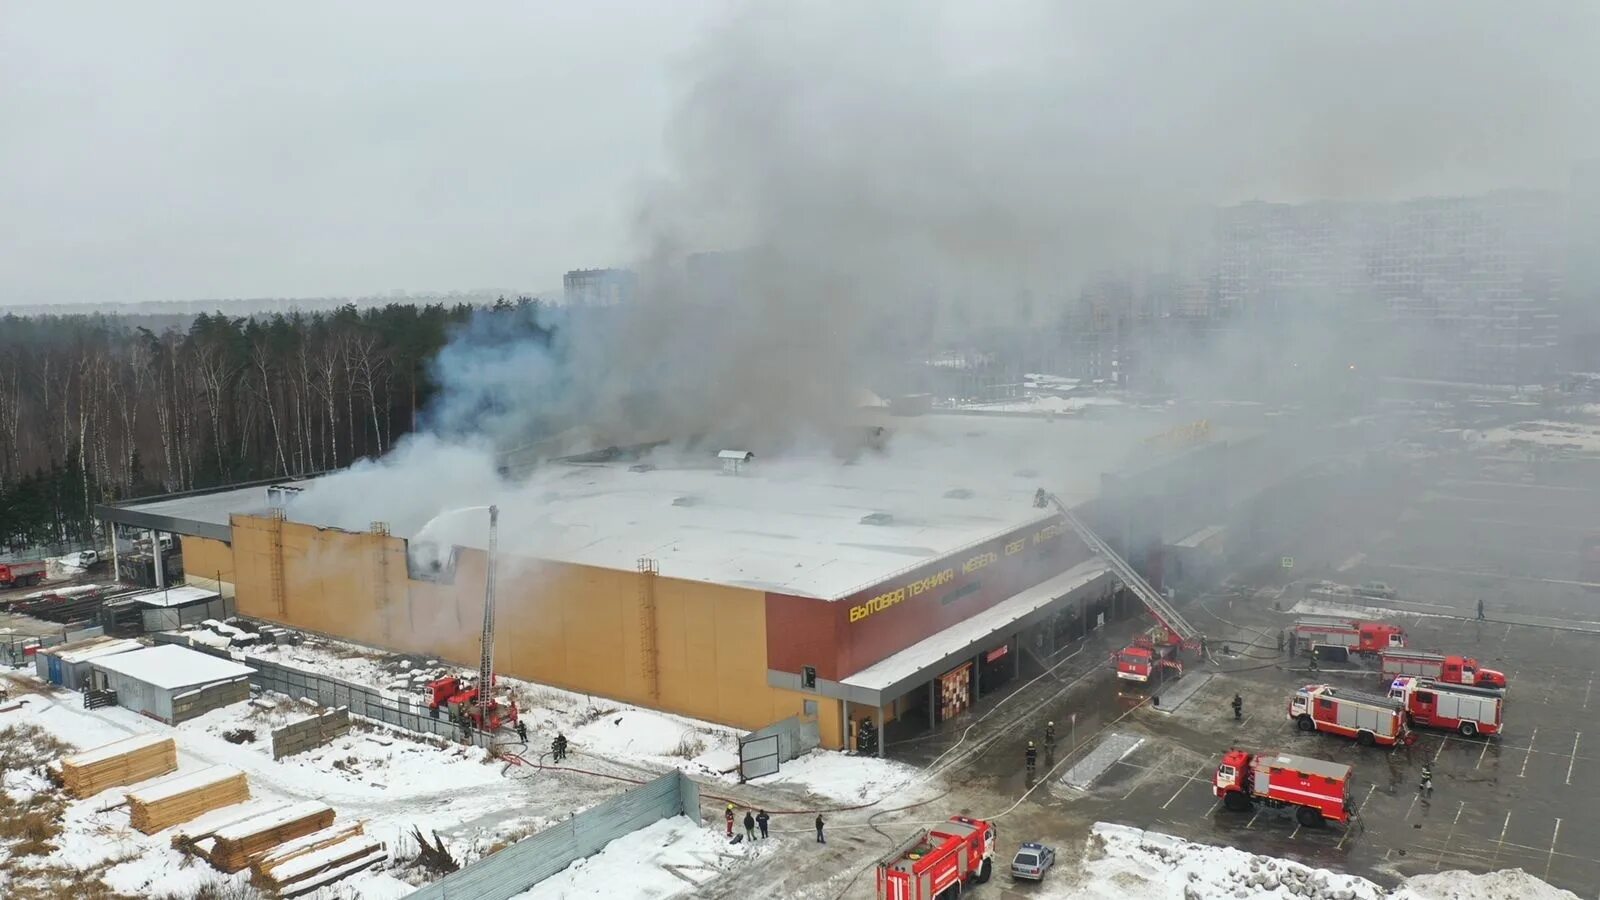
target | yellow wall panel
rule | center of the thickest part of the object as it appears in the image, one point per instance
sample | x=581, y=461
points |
x=571, y=626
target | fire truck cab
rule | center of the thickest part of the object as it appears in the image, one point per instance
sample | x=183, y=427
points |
x=939, y=862
x=1139, y=661
x=1468, y=710
x=1366, y=718
x=1318, y=790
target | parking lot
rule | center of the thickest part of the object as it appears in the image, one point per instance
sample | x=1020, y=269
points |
x=1528, y=798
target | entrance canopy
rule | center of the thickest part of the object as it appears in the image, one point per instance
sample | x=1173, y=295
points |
x=892, y=677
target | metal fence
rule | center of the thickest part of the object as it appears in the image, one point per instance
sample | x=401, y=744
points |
x=380, y=706
x=762, y=751
x=526, y=863
x=14, y=647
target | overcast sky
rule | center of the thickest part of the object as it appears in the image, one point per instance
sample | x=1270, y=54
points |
x=183, y=150
x=196, y=150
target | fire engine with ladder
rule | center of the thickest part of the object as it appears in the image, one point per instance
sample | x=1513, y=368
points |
x=1317, y=790
x=465, y=698
x=1367, y=719
x=938, y=863
x=1161, y=646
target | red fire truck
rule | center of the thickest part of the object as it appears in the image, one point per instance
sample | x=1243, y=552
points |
x=1318, y=789
x=1469, y=710
x=1439, y=667
x=22, y=574
x=1367, y=718
x=1154, y=650
x=939, y=861
x=1352, y=635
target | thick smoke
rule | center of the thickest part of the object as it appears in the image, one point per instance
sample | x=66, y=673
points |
x=898, y=177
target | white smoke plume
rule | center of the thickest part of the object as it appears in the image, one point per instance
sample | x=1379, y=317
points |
x=899, y=176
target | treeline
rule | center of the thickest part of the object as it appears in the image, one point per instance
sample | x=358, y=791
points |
x=93, y=409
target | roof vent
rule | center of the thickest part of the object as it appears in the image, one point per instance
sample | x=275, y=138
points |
x=279, y=495
x=734, y=461
x=877, y=519
x=958, y=494
x=686, y=501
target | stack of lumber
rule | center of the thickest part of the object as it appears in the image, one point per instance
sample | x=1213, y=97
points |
x=126, y=761
x=236, y=845
x=197, y=836
x=177, y=800
x=326, y=866
x=288, y=866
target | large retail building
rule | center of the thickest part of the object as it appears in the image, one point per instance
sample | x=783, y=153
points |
x=741, y=590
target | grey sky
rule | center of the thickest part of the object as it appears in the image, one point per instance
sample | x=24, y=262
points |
x=182, y=150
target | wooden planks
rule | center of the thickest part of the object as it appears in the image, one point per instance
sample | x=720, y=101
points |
x=186, y=797
x=121, y=762
x=306, y=859
x=235, y=845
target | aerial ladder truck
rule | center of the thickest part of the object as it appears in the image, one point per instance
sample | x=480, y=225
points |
x=1161, y=645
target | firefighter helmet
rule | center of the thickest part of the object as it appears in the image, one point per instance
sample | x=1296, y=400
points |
x=1030, y=744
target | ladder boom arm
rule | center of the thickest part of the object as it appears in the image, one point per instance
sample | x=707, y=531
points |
x=1165, y=613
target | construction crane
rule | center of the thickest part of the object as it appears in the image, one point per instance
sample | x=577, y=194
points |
x=1178, y=629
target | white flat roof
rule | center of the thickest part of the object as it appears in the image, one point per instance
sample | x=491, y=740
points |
x=790, y=523
x=181, y=595
x=890, y=671
x=171, y=666
x=212, y=509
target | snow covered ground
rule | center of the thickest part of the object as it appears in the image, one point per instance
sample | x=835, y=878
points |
x=607, y=734
x=1044, y=403
x=1123, y=862
x=1569, y=436
x=671, y=858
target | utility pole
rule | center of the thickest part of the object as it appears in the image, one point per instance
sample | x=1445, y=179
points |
x=486, y=661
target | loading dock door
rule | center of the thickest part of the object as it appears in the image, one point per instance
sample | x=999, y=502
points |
x=758, y=757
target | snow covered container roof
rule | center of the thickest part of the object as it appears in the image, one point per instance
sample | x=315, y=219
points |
x=182, y=595
x=171, y=666
x=94, y=648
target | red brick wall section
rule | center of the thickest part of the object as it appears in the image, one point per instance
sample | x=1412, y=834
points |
x=845, y=636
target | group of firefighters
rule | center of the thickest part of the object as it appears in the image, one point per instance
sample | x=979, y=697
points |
x=1032, y=753
x=759, y=821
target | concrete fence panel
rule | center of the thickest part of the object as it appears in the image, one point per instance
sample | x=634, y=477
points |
x=531, y=860
x=315, y=731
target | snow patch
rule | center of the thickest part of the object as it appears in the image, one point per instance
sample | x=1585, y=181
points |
x=635, y=865
x=1127, y=862
x=849, y=779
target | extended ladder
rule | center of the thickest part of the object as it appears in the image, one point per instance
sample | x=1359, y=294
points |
x=1152, y=599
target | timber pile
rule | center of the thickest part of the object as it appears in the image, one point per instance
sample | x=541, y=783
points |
x=178, y=800
x=289, y=866
x=196, y=836
x=235, y=845
x=126, y=761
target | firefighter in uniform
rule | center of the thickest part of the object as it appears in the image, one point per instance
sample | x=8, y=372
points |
x=1032, y=757
x=558, y=747
x=1427, y=778
x=1049, y=734
x=1238, y=707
